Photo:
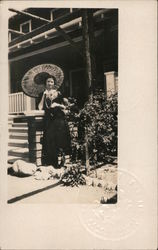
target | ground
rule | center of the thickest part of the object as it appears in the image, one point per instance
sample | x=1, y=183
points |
x=29, y=190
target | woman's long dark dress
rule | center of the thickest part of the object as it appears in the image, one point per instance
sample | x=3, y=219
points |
x=56, y=135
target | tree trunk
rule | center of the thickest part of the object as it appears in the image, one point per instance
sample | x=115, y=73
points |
x=87, y=153
x=87, y=21
x=88, y=45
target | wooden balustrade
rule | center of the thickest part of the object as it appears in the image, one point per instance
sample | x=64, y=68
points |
x=16, y=103
x=20, y=103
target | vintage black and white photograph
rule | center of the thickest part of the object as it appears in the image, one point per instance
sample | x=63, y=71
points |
x=63, y=99
x=78, y=127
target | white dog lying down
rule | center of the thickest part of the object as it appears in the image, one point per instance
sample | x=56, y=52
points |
x=22, y=168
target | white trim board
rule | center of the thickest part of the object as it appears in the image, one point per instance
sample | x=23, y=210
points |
x=27, y=22
x=51, y=47
x=43, y=50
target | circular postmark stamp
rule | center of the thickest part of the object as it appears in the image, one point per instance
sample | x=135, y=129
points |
x=116, y=221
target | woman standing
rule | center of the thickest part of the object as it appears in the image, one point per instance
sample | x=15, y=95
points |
x=56, y=136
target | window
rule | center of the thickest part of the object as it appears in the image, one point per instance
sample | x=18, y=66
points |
x=25, y=27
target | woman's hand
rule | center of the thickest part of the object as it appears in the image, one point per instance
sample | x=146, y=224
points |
x=54, y=104
x=62, y=106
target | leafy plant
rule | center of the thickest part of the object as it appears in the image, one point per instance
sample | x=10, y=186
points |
x=73, y=176
x=98, y=119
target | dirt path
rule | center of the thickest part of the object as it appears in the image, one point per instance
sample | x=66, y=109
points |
x=29, y=190
x=19, y=187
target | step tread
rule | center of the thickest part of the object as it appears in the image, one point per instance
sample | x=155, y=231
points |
x=18, y=150
x=20, y=141
x=18, y=128
x=10, y=157
x=19, y=124
x=18, y=136
x=22, y=134
x=18, y=144
x=11, y=117
x=18, y=154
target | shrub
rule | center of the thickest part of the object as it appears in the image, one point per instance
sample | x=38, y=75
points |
x=98, y=119
x=73, y=176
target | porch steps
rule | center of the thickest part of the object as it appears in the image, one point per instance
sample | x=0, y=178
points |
x=18, y=140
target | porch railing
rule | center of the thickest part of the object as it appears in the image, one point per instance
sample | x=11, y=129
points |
x=16, y=103
x=20, y=103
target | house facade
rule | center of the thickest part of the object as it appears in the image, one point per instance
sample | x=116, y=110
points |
x=34, y=39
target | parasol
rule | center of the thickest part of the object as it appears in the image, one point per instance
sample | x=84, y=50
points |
x=33, y=82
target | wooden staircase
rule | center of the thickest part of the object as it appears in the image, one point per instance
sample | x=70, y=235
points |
x=18, y=146
x=25, y=133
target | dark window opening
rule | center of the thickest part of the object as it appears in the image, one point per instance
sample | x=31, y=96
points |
x=26, y=27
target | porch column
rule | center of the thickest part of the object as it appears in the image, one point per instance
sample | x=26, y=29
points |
x=88, y=48
x=111, y=82
x=88, y=45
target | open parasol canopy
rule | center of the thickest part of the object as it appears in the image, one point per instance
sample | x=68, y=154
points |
x=33, y=82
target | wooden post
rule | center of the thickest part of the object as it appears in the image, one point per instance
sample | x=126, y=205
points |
x=111, y=83
x=31, y=139
x=35, y=131
x=88, y=42
x=87, y=152
x=87, y=16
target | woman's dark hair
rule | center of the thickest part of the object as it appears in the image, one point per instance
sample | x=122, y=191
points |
x=42, y=77
x=50, y=76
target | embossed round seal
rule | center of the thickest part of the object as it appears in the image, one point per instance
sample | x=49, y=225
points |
x=116, y=221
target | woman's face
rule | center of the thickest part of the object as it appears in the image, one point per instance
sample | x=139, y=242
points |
x=49, y=83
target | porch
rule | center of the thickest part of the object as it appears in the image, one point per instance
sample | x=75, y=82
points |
x=25, y=123
x=19, y=103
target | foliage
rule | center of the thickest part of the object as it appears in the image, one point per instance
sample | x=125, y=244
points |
x=98, y=120
x=73, y=120
x=72, y=110
x=73, y=176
